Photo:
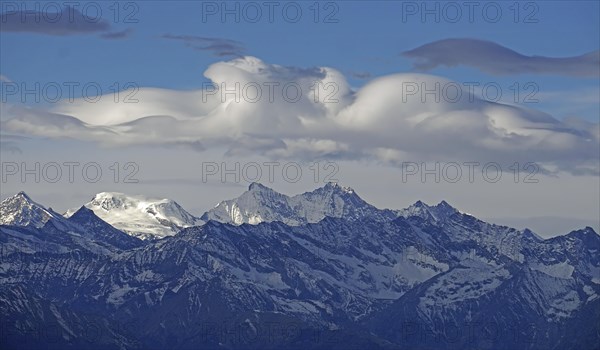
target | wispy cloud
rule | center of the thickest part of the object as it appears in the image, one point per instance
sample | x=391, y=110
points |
x=10, y=147
x=68, y=22
x=496, y=59
x=217, y=46
x=590, y=96
x=10, y=143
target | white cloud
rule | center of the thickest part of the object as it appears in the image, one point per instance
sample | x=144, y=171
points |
x=380, y=120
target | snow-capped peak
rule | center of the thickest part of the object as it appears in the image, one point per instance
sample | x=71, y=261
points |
x=21, y=210
x=438, y=212
x=141, y=216
x=263, y=204
x=22, y=195
x=113, y=200
x=335, y=187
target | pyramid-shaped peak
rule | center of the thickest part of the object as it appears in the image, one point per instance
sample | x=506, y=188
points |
x=22, y=194
x=530, y=234
x=257, y=186
x=21, y=210
x=417, y=208
x=420, y=204
x=83, y=214
x=443, y=205
x=21, y=197
x=82, y=211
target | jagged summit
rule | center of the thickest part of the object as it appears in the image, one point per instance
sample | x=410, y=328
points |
x=584, y=234
x=151, y=218
x=589, y=230
x=438, y=212
x=345, y=272
x=336, y=187
x=21, y=210
x=23, y=195
x=263, y=204
x=329, y=187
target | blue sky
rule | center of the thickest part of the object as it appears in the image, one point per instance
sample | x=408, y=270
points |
x=369, y=50
x=367, y=38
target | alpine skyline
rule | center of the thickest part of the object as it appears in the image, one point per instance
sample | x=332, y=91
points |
x=299, y=174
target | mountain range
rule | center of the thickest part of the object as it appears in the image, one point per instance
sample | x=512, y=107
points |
x=319, y=270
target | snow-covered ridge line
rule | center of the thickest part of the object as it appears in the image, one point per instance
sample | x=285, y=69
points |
x=141, y=216
x=155, y=218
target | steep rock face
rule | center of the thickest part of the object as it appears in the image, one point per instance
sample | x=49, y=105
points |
x=262, y=204
x=437, y=213
x=23, y=211
x=100, y=231
x=513, y=290
x=429, y=277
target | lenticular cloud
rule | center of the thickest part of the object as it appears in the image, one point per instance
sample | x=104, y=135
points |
x=253, y=107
